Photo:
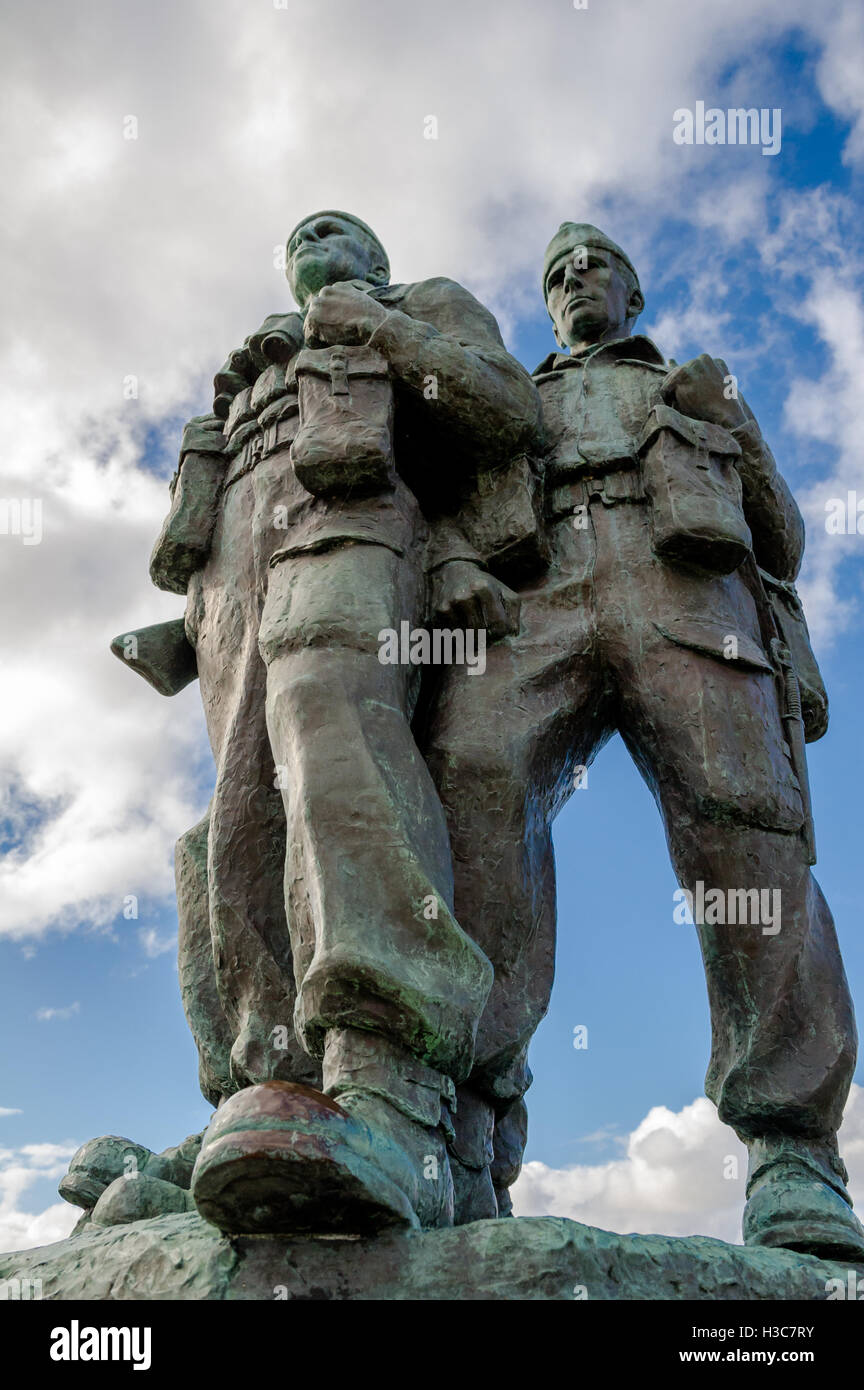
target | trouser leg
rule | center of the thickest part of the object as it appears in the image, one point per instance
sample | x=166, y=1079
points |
x=783, y=1032
x=368, y=878
x=710, y=742
x=246, y=849
x=197, y=973
x=502, y=748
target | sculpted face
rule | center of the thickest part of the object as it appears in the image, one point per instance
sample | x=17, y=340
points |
x=328, y=249
x=589, y=297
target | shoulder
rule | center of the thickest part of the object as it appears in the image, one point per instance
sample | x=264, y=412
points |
x=449, y=307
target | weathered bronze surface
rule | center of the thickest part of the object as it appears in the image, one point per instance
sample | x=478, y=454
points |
x=422, y=590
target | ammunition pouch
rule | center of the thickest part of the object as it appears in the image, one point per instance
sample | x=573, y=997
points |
x=501, y=518
x=344, y=445
x=184, y=541
x=693, y=485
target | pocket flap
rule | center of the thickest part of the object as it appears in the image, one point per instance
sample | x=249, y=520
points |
x=702, y=436
x=359, y=361
x=721, y=640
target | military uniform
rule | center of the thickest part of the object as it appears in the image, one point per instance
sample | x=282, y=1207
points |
x=284, y=617
x=615, y=639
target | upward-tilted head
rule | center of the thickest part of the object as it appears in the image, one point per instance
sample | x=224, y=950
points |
x=332, y=246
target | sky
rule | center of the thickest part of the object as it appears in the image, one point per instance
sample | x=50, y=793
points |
x=153, y=160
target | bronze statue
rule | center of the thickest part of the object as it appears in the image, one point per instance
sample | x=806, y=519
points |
x=367, y=913
x=668, y=613
x=371, y=474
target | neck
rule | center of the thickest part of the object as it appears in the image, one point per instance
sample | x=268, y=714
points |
x=609, y=335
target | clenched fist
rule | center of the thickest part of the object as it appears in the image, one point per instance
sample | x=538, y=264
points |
x=703, y=389
x=464, y=595
x=342, y=314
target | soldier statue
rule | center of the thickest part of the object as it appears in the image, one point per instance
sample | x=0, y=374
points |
x=367, y=912
x=667, y=613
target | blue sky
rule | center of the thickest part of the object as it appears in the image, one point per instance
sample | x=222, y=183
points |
x=751, y=258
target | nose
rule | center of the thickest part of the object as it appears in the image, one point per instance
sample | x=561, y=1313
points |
x=573, y=275
x=307, y=233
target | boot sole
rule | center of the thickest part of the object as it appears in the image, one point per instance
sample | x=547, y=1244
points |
x=822, y=1239
x=257, y=1182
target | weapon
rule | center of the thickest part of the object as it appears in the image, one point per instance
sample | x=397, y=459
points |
x=790, y=695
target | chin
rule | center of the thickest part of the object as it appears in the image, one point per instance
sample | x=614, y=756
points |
x=587, y=323
x=315, y=273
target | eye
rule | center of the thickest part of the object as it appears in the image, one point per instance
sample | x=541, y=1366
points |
x=326, y=228
x=555, y=279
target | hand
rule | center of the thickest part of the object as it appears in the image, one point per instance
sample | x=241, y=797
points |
x=342, y=314
x=277, y=340
x=699, y=389
x=203, y=434
x=465, y=596
x=237, y=372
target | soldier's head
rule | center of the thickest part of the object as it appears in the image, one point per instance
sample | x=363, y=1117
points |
x=332, y=246
x=590, y=286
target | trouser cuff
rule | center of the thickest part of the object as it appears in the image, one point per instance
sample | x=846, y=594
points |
x=355, y=1060
x=820, y=1156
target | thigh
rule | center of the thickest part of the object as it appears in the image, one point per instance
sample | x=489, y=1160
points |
x=706, y=732
x=341, y=597
x=538, y=709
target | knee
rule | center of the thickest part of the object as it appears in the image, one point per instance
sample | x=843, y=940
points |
x=303, y=691
x=709, y=800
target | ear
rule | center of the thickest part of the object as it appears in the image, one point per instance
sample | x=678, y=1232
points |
x=636, y=304
x=377, y=275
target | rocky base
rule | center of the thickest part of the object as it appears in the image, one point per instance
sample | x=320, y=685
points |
x=182, y=1257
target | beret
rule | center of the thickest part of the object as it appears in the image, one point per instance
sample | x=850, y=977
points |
x=572, y=234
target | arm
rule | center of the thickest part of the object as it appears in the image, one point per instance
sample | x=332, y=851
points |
x=771, y=510
x=483, y=398
x=184, y=541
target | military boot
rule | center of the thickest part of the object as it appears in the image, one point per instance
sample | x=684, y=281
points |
x=366, y=1153
x=797, y=1200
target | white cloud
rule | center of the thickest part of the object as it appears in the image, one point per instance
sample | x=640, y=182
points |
x=827, y=410
x=7, y=1110
x=840, y=74
x=19, y=1169
x=67, y=1011
x=672, y=1180
x=155, y=945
